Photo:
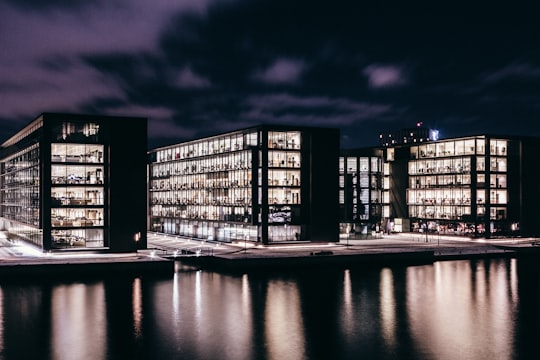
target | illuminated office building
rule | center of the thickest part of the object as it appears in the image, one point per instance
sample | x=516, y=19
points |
x=265, y=184
x=360, y=191
x=73, y=182
x=475, y=186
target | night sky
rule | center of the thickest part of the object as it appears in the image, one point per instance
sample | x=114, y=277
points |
x=201, y=67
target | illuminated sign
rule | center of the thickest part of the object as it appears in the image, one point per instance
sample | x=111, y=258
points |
x=279, y=214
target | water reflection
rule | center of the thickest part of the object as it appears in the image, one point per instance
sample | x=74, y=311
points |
x=79, y=316
x=387, y=304
x=207, y=314
x=137, y=307
x=452, y=315
x=1, y=322
x=347, y=309
x=478, y=309
x=283, y=321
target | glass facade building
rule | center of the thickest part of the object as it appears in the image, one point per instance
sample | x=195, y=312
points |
x=442, y=188
x=471, y=186
x=360, y=192
x=80, y=182
x=67, y=183
x=266, y=184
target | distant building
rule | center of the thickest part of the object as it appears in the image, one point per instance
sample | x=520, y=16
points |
x=411, y=135
x=264, y=184
x=76, y=182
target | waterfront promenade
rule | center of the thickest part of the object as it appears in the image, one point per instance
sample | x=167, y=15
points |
x=383, y=250
x=164, y=250
x=17, y=259
x=442, y=246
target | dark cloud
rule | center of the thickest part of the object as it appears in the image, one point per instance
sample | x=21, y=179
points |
x=428, y=59
x=56, y=63
x=39, y=5
x=199, y=67
x=281, y=71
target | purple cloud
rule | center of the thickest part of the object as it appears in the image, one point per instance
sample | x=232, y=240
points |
x=42, y=48
x=281, y=71
x=384, y=76
x=513, y=71
x=312, y=110
x=187, y=79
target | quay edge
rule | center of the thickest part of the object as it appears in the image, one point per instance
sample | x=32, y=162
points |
x=279, y=263
x=371, y=259
x=84, y=269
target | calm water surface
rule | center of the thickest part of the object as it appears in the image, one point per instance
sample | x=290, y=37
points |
x=474, y=309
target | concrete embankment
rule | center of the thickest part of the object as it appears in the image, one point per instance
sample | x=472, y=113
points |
x=384, y=257
x=407, y=249
x=310, y=261
x=473, y=253
x=91, y=267
x=165, y=258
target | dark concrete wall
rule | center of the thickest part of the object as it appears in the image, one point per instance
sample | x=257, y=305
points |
x=324, y=191
x=399, y=182
x=530, y=192
x=127, y=183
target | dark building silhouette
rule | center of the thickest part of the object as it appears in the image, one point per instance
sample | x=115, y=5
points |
x=417, y=134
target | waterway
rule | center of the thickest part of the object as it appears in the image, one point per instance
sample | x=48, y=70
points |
x=466, y=309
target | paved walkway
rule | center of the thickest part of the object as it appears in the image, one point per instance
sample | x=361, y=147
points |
x=160, y=246
x=17, y=253
x=168, y=245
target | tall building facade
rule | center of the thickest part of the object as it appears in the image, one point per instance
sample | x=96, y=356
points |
x=72, y=182
x=473, y=186
x=360, y=191
x=265, y=184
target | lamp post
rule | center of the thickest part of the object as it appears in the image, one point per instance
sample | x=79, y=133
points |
x=137, y=238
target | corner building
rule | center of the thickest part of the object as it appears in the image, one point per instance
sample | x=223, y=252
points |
x=264, y=184
x=72, y=182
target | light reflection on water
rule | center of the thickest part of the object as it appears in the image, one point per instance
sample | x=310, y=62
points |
x=478, y=309
x=78, y=313
x=454, y=316
x=388, y=308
